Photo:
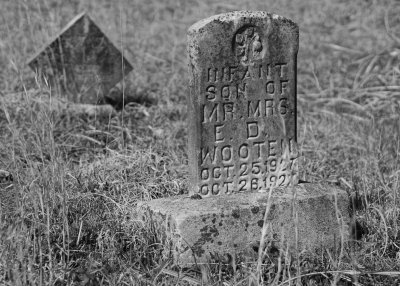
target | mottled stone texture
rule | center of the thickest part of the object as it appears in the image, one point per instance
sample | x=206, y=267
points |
x=242, y=103
x=195, y=231
x=242, y=146
x=81, y=61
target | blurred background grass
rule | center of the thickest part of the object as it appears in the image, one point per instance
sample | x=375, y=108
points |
x=78, y=177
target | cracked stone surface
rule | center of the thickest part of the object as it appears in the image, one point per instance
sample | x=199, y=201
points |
x=200, y=230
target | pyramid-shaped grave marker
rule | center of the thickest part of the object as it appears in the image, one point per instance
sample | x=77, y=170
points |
x=81, y=61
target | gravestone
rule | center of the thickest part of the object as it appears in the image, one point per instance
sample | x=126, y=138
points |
x=242, y=149
x=243, y=103
x=81, y=61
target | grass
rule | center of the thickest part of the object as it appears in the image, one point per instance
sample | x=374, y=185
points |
x=79, y=177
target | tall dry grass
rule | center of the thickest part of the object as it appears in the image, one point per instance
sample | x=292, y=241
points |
x=78, y=178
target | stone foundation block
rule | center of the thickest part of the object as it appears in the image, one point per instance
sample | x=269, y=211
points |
x=308, y=217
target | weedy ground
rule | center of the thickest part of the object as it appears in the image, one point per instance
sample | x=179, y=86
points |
x=78, y=177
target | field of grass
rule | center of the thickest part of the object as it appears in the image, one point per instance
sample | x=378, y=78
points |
x=78, y=178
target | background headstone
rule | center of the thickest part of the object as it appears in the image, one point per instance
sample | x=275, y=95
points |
x=81, y=61
x=242, y=134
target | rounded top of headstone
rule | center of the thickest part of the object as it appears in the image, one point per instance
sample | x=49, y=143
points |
x=237, y=17
x=242, y=98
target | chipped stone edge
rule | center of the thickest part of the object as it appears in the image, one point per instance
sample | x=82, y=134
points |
x=55, y=37
x=171, y=219
x=235, y=16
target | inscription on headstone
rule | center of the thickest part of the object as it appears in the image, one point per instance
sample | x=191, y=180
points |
x=81, y=61
x=242, y=103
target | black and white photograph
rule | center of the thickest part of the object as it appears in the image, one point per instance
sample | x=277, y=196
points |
x=200, y=142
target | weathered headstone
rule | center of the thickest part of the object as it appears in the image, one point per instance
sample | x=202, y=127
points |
x=242, y=103
x=81, y=61
x=242, y=143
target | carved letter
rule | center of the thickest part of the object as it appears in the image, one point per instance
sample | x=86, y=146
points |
x=210, y=116
x=228, y=169
x=269, y=107
x=244, y=151
x=280, y=67
x=226, y=153
x=246, y=74
x=225, y=92
x=228, y=111
x=205, y=153
x=253, y=111
x=240, y=90
x=205, y=174
x=270, y=87
x=283, y=106
x=252, y=130
x=212, y=77
x=210, y=92
x=218, y=133
x=204, y=190
x=232, y=71
x=217, y=172
x=259, y=145
x=283, y=86
x=271, y=148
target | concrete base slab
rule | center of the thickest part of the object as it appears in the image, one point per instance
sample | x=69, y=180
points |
x=308, y=217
